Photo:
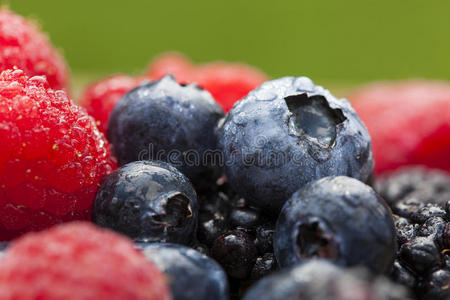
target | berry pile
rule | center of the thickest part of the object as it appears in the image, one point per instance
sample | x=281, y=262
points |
x=226, y=82
x=273, y=197
x=24, y=46
x=420, y=200
x=52, y=156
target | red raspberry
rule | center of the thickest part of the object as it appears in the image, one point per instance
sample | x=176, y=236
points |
x=52, y=156
x=23, y=45
x=78, y=261
x=100, y=97
x=409, y=123
x=226, y=82
x=174, y=63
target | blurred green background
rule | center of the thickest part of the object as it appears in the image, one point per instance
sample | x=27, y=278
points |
x=341, y=43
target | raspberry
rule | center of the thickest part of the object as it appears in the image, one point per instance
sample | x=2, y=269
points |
x=52, y=156
x=23, y=45
x=78, y=261
x=227, y=82
x=100, y=97
x=409, y=123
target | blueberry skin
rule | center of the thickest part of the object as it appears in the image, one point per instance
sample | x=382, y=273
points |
x=163, y=120
x=192, y=274
x=148, y=201
x=321, y=280
x=336, y=218
x=286, y=133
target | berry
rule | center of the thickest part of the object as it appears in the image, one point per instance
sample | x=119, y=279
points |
x=172, y=63
x=166, y=121
x=391, y=112
x=52, y=156
x=192, y=275
x=419, y=197
x=339, y=219
x=149, y=202
x=408, y=189
x=24, y=46
x=100, y=97
x=227, y=82
x=322, y=280
x=236, y=252
x=78, y=261
x=287, y=133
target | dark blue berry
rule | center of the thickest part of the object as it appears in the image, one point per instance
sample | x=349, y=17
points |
x=163, y=120
x=321, y=280
x=148, y=201
x=421, y=254
x=236, y=252
x=191, y=274
x=287, y=133
x=264, y=238
x=336, y=218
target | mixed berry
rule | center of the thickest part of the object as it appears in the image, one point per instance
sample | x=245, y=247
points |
x=184, y=192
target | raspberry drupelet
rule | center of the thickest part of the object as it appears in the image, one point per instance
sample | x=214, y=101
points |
x=52, y=156
x=23, y=45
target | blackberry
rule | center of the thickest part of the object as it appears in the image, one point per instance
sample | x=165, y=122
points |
x=420, y=198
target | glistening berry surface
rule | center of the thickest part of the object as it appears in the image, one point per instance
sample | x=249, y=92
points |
x=289, y=132
x=150, y=201
x=166, y=121
x=24, y=46
x=339, y=219
x=52, y=156
x=78, y=261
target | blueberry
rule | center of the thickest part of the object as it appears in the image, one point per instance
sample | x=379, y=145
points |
x=286, y=133
x=336, y=218
x=148, y=201
x=163, y=120
x=321, y=280
x=192, y=275
x=3, y=246
x=236, y=252
x=244, y=217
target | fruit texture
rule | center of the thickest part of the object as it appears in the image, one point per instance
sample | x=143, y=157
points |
x=227, y=82
x=100, y=97
x=163, y=120
x=339, y=219
x=150, y=201
x=409, y=123
x=78, y=261
x=289, y=132
x=52, y=156
x=24, y=46
x=193, y=275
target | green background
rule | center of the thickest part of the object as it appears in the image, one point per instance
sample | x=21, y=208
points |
x=336, y=42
